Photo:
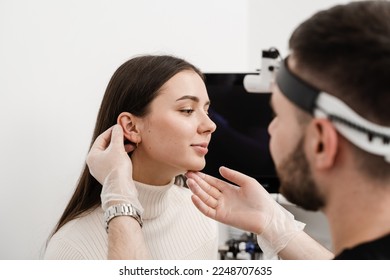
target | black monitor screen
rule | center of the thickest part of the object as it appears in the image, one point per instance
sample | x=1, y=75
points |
x=241, y=141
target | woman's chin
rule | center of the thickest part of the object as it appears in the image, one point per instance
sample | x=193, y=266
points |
x=196, y=167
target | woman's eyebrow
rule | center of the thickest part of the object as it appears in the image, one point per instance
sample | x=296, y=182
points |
x=193, y=98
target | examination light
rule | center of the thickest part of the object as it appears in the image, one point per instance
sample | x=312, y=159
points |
x=261, y=82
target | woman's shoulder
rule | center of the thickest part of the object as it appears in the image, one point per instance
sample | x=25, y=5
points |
x=91, y=220
x=78, y=237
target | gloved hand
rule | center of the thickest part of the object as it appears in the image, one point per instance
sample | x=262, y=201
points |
x=277, y=233
x=248, y=207
x=110, y=164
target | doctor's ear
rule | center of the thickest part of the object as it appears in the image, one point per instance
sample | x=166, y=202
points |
x=323, y=143
x=128, y=122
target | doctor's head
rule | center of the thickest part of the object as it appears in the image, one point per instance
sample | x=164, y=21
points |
x=343, y=52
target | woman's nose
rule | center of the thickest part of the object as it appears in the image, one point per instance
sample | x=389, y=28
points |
x=208, y=125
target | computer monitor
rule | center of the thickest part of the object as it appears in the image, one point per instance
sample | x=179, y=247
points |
x=241, y=140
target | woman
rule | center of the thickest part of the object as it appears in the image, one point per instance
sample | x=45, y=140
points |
x=161, y=103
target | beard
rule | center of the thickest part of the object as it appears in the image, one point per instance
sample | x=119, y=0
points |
x=296, y=181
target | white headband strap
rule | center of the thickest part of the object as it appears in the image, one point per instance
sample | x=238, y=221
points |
x=366, y=135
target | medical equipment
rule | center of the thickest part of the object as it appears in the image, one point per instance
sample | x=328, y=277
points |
x=260, y=83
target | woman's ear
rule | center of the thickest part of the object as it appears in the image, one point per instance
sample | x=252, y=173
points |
x=129, y=126
x=323, y=143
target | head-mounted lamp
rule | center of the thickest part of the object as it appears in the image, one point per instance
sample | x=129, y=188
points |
x=366, y=135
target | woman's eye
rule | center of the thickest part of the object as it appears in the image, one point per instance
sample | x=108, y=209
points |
x=187, y=111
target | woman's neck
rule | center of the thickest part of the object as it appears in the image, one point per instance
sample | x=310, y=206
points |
x=152, y=173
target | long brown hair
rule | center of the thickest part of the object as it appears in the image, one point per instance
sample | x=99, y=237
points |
x=131, y=89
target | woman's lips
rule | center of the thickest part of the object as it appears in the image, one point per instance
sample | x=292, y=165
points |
x=200, y=148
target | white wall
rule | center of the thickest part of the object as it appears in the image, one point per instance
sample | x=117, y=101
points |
x=272, y=22
x=56, y=58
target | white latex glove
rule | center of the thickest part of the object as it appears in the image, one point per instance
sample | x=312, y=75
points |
x=110, y=164
x=281, y=228
x=248, y=207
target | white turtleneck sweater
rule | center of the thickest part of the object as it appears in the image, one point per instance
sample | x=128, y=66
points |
x=173, y=229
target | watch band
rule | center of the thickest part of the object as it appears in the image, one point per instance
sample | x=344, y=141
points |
x=122, y=210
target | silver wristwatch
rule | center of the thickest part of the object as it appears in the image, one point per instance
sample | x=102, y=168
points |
x=122, y=210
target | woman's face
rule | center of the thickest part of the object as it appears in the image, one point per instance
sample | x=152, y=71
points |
x=176, y=132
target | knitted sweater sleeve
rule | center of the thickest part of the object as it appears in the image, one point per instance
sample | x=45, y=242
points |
x=61, y=249
x=82, y=238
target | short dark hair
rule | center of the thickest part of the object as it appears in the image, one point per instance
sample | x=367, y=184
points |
x=346, y=50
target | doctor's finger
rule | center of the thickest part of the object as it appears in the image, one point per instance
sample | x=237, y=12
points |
x=202, y=207
x=237, y=177
x=209, y=180
x=102, y=141
x=208, y=188
x=117, y=138
x=208, y=196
